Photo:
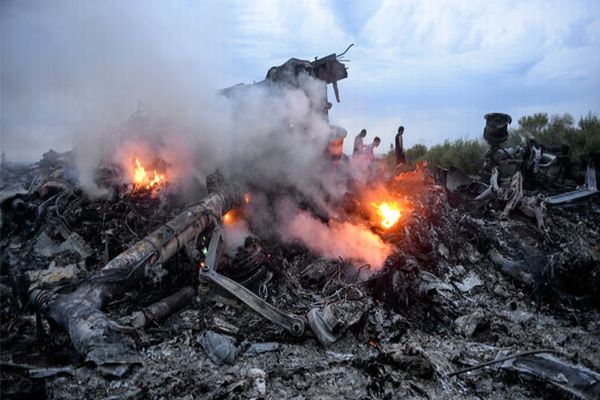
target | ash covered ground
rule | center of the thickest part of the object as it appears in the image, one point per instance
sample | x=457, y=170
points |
x=463, y=285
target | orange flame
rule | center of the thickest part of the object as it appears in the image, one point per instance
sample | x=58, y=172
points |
x=228, y=217
x=141, y=178
x=389, y=213
x=235, y=215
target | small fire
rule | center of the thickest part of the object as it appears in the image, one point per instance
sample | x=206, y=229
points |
x=235, y=215
x=141, y=178
x=389, y=213
x=228, y=217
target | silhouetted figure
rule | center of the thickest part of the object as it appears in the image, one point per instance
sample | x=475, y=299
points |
x=358, y=143
x=400, y=157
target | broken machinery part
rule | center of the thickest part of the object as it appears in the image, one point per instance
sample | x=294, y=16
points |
x=79, y=312
x=291, y=323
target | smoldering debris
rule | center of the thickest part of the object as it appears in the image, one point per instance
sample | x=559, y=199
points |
x=219, y=244
x=451, y=295
x=291, y=271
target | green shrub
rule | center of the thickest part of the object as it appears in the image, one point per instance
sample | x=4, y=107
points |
x=557, y=130
x=464, y=154
x=416, y=153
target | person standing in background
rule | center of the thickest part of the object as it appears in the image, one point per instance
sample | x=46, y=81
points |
x=358, y=143
x=369, y=152
x=400, y=157
x=335, y=148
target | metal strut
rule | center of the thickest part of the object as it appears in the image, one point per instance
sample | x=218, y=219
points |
x=290, y=322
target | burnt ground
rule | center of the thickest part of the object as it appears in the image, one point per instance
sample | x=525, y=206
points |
x=439, y=305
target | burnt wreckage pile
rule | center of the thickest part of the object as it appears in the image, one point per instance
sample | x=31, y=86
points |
x=491, y=287
x=132, y=297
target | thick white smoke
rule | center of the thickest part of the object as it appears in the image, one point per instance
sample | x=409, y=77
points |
x=352, y=242
x=79, y=69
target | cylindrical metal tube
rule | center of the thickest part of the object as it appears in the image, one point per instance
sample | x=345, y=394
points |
x=162, y=309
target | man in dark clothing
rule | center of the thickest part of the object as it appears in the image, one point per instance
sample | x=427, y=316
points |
x=400, y=158
x=358, y=143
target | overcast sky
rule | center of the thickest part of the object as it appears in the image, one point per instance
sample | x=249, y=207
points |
x=435, y=67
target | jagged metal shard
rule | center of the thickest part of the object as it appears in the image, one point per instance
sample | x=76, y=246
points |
x=586, y=190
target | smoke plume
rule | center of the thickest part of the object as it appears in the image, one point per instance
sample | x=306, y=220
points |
x=338, y=239
x=79, y=69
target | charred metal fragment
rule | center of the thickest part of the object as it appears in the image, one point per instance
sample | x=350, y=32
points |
x=574, y=380
x=219, y=348
x=290, y=322
x=493, y=188
x=329, y=323
x=513, y=196
x=514, y=269
x=162, y=309
x=589, y=188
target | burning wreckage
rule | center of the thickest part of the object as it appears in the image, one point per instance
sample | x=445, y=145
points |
x=455, y=288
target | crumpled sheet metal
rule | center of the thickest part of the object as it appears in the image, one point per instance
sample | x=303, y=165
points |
x=471, y=281
x=493, y=188
x=532, y=206
x=590, y=188
x=330, y=322
x=468, y=324
x=219, y=348
x=113, y=353
x=572, y=379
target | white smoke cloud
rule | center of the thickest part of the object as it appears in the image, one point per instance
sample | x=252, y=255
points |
x=352, y=242
x=101, y=58
x=71, y=69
